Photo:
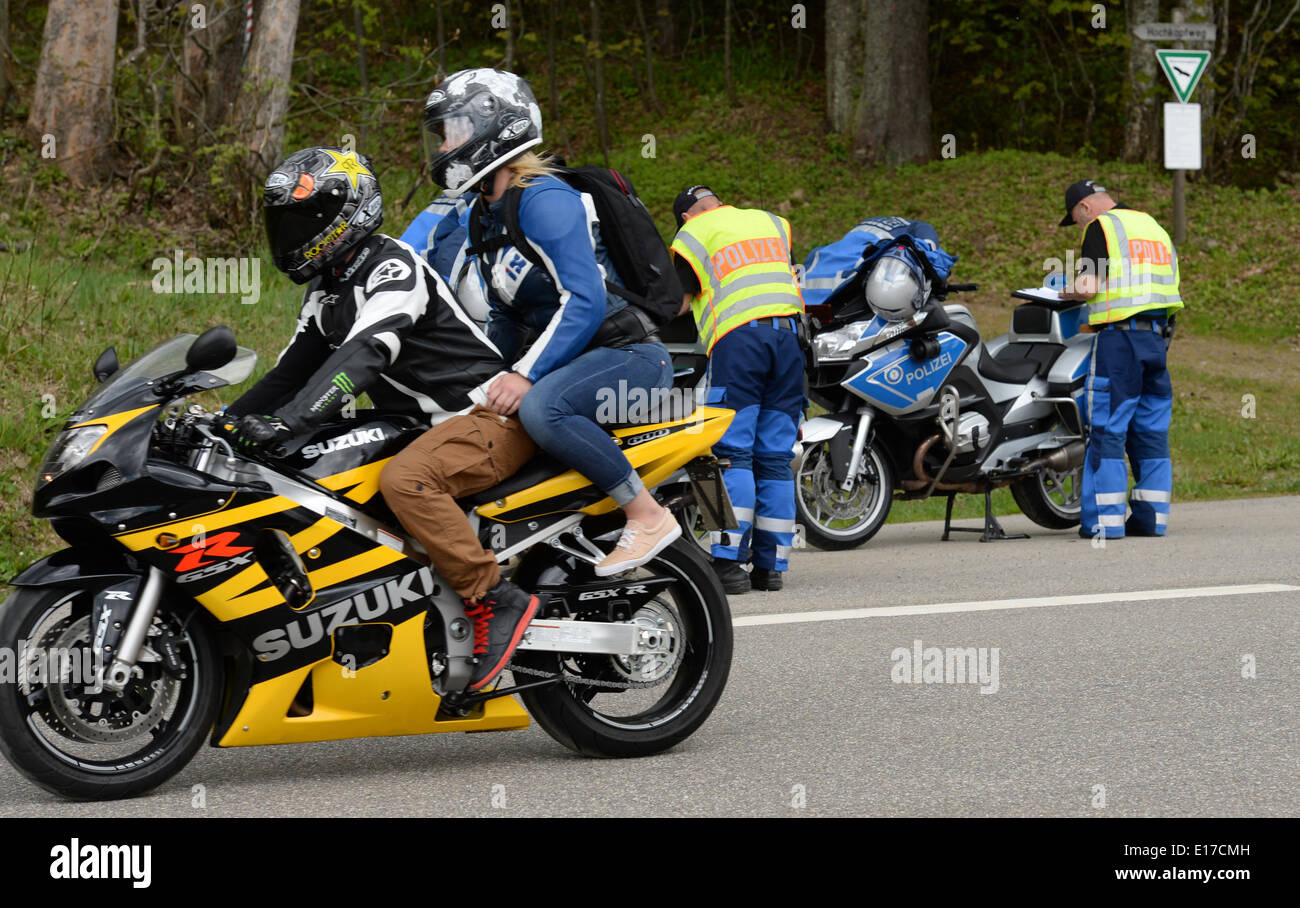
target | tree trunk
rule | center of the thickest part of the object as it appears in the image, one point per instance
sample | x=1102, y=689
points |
x=1142, y=127
x=73, y=98
x=264, y=97
x=731, y=89
x=4, y=57
x=362, y=75
x=208, y=82
x=442, y=43
x=510, y=37
x=843, y=61
x=649, y=56
x=666, y=27
x=891, y=122
x=598, y=65
x=555, y=12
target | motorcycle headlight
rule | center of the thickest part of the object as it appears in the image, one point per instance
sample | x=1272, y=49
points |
x=68, y=450
x=837, y=344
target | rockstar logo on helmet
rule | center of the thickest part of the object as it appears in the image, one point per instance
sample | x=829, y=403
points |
x=347, y=164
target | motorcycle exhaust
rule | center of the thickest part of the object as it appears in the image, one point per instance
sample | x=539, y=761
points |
x=1059, y=460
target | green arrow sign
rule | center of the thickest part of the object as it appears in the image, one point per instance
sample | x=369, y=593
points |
x=1184, y=69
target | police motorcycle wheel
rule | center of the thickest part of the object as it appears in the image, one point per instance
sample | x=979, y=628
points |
x=87, y=744
x=1051, y=499
x=832, y=518
x=616, y=706
x=693, y=527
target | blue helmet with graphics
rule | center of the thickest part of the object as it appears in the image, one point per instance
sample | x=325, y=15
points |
x=897, y=286
x=319, y=203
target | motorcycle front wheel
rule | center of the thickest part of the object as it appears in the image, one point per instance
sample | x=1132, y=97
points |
x=617, y=706
x=833, y=518
x=67, y=733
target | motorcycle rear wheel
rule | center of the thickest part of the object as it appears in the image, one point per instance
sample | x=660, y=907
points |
x=638, y=722
x=84, y=745
x=1050, y=499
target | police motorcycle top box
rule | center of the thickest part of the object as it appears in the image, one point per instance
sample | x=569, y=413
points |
x=254, y=599
x=920, y=405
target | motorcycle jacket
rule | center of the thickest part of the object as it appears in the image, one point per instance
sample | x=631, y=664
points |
x=542, y=318
x=383, y=323
x=436, y=232
x=828, y=269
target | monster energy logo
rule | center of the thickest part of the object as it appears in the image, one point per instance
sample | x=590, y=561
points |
x=344, y=382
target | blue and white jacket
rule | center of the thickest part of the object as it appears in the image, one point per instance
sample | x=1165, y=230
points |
x=542, y=319
x=830, y=267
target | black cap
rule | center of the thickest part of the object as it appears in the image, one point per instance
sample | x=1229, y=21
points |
x=1076, y=194
x=688, y=197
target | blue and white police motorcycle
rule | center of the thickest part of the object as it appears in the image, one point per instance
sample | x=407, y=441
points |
x=916, y=404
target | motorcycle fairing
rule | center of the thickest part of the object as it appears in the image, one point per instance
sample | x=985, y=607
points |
x=896, y=383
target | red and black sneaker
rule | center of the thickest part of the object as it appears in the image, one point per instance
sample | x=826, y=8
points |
x=500, y=619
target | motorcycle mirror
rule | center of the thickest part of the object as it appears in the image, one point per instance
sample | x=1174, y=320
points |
x=212, y=350
x=106, y=365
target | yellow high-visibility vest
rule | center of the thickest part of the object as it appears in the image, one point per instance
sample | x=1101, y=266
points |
x=1142, y=272
x=741, y=257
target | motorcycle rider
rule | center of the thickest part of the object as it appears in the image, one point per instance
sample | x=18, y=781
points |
x=1130, y=399
x=568, y=338
x=735, y=265
x=377, y=319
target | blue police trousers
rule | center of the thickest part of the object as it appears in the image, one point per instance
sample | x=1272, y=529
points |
x=1129, y=404
x=757, y=370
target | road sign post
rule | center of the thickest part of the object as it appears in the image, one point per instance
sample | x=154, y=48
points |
x=1182, y=121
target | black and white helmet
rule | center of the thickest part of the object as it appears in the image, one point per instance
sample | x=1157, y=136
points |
x=319, y=204
x=897, y=286
x=475, y=121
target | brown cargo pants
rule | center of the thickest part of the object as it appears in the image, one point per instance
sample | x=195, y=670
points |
x=461, y=456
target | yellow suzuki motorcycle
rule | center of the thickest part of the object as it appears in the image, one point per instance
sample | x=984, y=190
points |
x=246, y=599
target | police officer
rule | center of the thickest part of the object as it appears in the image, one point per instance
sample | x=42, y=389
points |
x=735, y=265
x=1129, y=277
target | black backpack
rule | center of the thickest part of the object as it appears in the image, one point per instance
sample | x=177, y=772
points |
x=627, y=230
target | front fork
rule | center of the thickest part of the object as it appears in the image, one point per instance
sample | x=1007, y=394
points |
x=146, y=606
x=852, y=469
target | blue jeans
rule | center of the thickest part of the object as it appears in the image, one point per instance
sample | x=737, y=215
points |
x=560, y=411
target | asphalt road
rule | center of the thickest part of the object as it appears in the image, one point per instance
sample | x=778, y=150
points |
x=1129, y=705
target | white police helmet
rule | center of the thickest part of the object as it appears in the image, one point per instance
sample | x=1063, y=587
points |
x=897, y=286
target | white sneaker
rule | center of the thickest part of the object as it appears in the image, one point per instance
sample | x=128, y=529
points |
x=639, y=544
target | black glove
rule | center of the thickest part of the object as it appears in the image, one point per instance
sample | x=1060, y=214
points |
x=255, y=433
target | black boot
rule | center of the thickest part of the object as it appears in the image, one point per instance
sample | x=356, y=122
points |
x=500, y=619
x=734, y=579
x=765, y=579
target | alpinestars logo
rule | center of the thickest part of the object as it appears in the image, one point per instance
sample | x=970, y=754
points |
x=369, y=605
x=353, y=439
x=387, y=272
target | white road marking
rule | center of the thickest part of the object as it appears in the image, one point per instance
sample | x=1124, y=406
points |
x=989, y=605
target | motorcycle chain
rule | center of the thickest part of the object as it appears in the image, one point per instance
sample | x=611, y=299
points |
x=590, y=682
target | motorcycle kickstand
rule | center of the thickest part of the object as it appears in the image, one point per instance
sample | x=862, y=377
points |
x=991, y=531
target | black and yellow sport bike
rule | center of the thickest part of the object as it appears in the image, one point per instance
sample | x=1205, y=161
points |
x=255, y=600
